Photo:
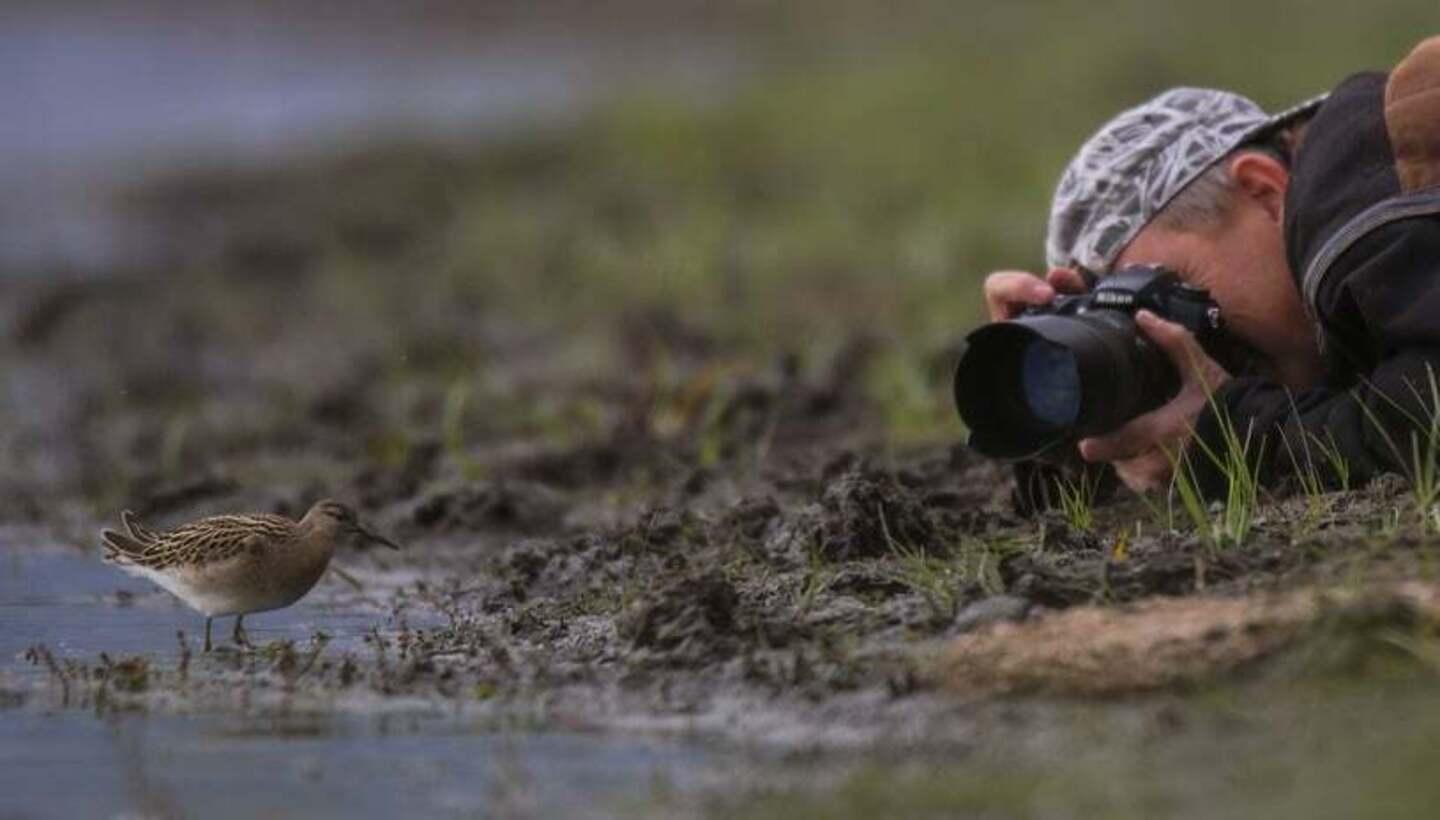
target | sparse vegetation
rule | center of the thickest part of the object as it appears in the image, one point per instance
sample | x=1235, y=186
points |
x=1077, y=499
x=1237, y=463
x=659, y=401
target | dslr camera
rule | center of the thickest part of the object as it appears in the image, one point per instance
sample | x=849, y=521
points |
x=1029, y=387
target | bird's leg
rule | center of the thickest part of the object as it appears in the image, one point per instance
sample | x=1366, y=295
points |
x=207, y=633
x=240, y=637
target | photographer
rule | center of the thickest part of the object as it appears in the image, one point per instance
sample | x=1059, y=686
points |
x=1317, y=231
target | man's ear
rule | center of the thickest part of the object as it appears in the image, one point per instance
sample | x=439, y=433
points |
x=1262, y=178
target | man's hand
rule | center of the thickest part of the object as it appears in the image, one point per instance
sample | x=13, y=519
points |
x=1008, y=293
x=1143, y=450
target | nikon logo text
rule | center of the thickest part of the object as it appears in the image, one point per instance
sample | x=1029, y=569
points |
x=1114, y=298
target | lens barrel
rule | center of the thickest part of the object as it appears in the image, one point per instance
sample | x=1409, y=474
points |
x=1033, y=383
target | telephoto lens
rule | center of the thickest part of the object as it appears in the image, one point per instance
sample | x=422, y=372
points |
x=1075, y=368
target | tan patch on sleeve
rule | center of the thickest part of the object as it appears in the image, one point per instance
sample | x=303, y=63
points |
x=1162, y=642
x=1107, y=651
x=1412, y=116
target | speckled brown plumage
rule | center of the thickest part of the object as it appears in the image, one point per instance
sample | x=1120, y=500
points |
x=200, y=542
x=236, y=564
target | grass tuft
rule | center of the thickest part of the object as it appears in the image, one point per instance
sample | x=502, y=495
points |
x=1227, y=522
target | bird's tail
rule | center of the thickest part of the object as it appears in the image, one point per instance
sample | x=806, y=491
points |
x=120, y=546
x=137, y=531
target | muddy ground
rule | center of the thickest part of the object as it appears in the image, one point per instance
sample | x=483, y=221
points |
x=734, y=554
x=634, y=524
x=658, y=407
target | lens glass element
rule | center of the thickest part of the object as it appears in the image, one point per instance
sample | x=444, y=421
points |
x=1051, y=382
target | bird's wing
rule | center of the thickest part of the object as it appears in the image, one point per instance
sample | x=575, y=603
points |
x=214, y=539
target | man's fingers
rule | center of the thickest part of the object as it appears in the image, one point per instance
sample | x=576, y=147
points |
x=1178, y=343
x=1066, y=280
x=1162, y=427
x=1184, y=351
x=1173, y=338
x=1140, y=448
x=1007, y=293
x=1134, y=438
x=1150, y=471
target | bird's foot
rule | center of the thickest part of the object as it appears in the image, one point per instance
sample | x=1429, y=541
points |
x=239, y=636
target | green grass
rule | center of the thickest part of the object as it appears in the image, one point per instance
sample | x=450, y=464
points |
x=1226, y=522
x=1316, y=478
x=932, y=578
x=862, y=184
x=856, y=187
x=1331, y=471
x=1077, y=499
x=1420, y=461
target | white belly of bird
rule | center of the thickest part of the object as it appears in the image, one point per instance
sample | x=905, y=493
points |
x=236, y=587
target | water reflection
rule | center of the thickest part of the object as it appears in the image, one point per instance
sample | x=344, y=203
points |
x=77, y=606
x=71, y=763
x=75, y=765
x=113, y=94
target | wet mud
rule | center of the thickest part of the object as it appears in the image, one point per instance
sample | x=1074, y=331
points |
x=627, y=518
x=696, y=550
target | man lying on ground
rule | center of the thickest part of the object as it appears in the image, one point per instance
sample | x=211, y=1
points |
x=1316, y=230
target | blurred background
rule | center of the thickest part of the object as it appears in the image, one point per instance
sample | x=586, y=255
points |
x=254, y=241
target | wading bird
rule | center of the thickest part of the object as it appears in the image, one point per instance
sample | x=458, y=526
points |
x=237, y=564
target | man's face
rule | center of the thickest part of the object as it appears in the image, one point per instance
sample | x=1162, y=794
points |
x=1242, y=263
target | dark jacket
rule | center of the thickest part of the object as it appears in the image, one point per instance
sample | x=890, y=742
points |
x=1362, y=232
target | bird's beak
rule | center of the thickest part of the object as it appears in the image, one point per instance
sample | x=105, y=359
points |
x=377, y=538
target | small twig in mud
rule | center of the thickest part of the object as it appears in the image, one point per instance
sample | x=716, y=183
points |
x=318, y=642
x=358, y=586
x=127, y=674
x=291, y=665
x=283, y=662
x=40, y=655
x=382, y=663
x=347, y=578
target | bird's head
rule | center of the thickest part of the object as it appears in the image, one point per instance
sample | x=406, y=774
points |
x=341, y=520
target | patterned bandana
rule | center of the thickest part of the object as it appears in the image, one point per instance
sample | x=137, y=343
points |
x=1139, y=161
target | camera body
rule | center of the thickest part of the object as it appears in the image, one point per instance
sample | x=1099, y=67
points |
x=1079, y=366
x=1143, y=287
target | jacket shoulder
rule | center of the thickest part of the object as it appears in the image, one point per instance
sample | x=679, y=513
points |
x=1343, y=166
x=1412, y=116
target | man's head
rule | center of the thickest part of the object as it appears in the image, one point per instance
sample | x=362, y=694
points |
x=1141, y=161
x=1194, y=180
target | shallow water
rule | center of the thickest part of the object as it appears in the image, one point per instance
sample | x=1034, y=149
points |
x=110, y=100
x=75, y=765
x=72, y=763
x=78, y=607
